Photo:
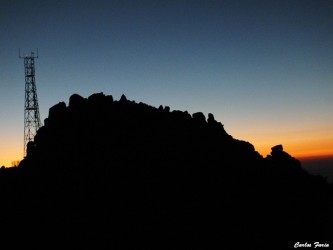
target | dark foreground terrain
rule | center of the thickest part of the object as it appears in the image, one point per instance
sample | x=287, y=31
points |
x=106, y=174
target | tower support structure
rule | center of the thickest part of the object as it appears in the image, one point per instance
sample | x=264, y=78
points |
x=31, y=109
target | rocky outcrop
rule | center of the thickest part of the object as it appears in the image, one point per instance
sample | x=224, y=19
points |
x=131, y=176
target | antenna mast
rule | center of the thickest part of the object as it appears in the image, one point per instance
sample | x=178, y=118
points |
x=31, y=110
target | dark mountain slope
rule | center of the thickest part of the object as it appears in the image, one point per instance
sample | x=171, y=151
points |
x=122, y=175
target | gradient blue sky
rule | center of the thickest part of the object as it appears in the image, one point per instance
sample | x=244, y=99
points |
x=263, y=68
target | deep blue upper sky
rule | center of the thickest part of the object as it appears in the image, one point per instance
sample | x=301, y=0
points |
x=263, y=68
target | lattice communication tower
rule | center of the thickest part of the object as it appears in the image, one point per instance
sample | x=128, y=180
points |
x=31, y=110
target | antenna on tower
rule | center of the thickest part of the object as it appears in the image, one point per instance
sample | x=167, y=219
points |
x=31, y=110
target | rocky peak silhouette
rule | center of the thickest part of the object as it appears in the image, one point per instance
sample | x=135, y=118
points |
x=131, y=176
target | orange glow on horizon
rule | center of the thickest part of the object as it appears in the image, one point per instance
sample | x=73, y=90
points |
x=300, y=152
x=296, y=143
x=301, y=144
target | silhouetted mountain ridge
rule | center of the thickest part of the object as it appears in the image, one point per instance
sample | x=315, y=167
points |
x=131, y=176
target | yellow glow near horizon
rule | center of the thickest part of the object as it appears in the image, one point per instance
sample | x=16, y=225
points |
x=7, y=158
x=11, y=149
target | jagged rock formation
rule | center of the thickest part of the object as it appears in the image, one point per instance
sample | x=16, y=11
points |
x=126, y=175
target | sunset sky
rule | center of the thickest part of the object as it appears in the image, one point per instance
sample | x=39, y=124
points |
x=263, y=68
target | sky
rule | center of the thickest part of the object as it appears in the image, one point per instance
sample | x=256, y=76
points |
x=264, y=69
